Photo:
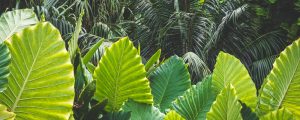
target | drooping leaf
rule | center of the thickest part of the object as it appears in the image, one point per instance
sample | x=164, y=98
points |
x=120, y=75
x=280, y=88
x=172, y=115
x=73, y=43
x=15, y=21
x=280, y=114
x=229, y=70
x=4, y=63
x=196, y=101
x=226, y=106
x=154, y=58
x=168, y=81
x=4, y=114
x=88, y=56
x=141, y=111
x=41, y=84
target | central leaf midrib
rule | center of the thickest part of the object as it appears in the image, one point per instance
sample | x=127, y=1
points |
x=26, y=79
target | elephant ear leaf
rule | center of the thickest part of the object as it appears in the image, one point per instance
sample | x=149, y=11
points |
x=281, y=87
x=141, y=111
x=120, y=75
x=172, y=115
x=4, y=63
x=15, y=21
x=280, y=114
x=229, y=70
x=4, y=114
x=41, y=83
x=196, y=101
x=168, y=81
x=226, y=106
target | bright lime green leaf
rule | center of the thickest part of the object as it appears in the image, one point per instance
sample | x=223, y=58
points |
x=140, y=111
x=196, y=101
x=229, y=70
x=168, y=81
x=121, y=75
x=281, y=87
x=281, y=114
x=41, y=84
x=15, y=21
x=4, y=63
x=154, y=58
x=4, y=114
x=172, y=115
x=91, y=52
x=226, y=106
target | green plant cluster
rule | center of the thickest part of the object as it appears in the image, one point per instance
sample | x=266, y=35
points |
x=43, y=77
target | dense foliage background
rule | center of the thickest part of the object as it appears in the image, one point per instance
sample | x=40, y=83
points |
x=254, y=31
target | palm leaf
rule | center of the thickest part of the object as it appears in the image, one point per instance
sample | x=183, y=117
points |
x=229, y=70
x=172, y=115
x=4, y=63
x=280, y=114
x=140, y=111
x=226, y=107
x=196, y=102
x=4, y=114
x=14, y=21
x=280, y=88
x=169, y=81
x=41, y=81
x=120, y=75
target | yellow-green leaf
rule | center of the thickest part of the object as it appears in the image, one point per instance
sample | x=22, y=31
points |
x=120, y=75
x=41, y=83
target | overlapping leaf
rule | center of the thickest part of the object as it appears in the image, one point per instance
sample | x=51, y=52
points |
x=226, y=106
x=281, y=87
x=280, y=114
x=14, y=21
x=121, y=75
x=4, y=114
x=140, y=111
x=172, y=115
x=196, y=102
x=41, y=84
x=169, y=81
x=229, y=70
x=4, y=62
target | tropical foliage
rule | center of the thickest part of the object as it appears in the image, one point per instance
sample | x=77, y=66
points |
x=149, y=59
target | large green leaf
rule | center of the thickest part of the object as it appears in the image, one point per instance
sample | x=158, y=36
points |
x=229, y=70
x=14, y=21
x=121, y=75
x=141, y=111
x=226, y=106
x=281, y=87
x=280, y=114
x=172, y=115
x=41, y=84
x=196, y=101
x=4, y=62
x=169, y=81
x=4, y=114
